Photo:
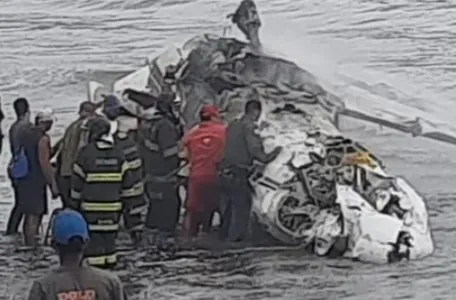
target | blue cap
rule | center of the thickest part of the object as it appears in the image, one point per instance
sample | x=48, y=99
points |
x=111, y=107
x=111, y=101
x=69, y=224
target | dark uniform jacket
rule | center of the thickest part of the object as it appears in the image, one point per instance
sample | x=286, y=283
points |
x=243, y=145
x=102, y=186
x=70, y=146
x=158, y=140
x=135, y=206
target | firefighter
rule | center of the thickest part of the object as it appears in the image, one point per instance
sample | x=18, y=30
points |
x=101, y=182
x=135, y=205
x=67, y=148
x=158, y=138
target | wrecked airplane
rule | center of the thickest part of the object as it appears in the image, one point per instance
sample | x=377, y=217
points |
x=325, y=191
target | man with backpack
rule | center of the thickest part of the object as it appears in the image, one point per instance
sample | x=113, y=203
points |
x=17, y=129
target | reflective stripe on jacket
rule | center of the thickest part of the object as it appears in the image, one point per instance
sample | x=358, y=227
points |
x=158, y=141
x=102, y=260
x=135, y=205
x=99, y=181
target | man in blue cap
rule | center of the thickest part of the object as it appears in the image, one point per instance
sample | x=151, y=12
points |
x=74, y=279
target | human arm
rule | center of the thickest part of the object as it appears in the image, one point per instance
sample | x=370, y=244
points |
x=36, y=292
x=44, y=157
x=56, y=148
x=12, y=140
x=255, y=145
x=78, y=178
x=183, y=144
x=183, y=150
x=168, y=140
x=222, y=140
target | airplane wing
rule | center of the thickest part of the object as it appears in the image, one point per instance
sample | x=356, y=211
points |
x=401, y=117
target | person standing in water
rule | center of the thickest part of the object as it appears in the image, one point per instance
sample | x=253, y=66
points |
x=101, y=186
x=134, y=204
x=243, y=145
x=69, y=146
x=17, y=129
x=74, y=279
x=203, y=148
x=158, y=138
x=32, y=194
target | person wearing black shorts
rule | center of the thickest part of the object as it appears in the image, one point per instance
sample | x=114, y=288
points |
x=32, y=195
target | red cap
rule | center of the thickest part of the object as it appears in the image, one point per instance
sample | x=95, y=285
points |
x=209, y=110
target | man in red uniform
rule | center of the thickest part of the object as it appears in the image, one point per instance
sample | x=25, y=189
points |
x=203, y=147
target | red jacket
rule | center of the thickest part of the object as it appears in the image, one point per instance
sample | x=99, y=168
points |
x=205, y=144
